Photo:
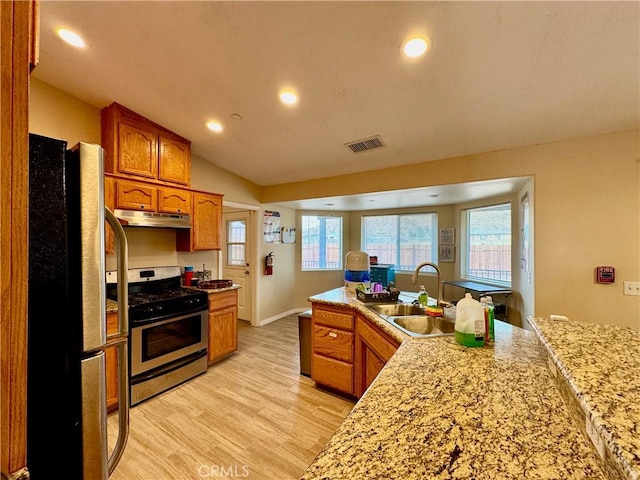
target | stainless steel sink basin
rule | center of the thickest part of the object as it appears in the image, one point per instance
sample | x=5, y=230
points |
x=412, y=320
x=397, y=309
x=424, y=324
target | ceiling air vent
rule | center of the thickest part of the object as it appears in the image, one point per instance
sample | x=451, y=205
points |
x=365, y=144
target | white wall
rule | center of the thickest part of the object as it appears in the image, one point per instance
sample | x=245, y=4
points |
x=276, y=292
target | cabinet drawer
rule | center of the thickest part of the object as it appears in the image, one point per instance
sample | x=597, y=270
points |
x=332, y=318
x=332, y=373
x=333, y=343
x=136, y=196
x=218, y=301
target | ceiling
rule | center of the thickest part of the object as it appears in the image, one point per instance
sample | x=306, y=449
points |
x=499, y=75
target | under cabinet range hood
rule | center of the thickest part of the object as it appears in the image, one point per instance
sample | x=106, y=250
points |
x=134, y=218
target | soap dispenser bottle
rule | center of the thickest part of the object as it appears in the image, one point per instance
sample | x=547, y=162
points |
x=423, y=297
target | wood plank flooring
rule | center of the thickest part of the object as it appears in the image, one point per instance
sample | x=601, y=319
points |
x=251, y=416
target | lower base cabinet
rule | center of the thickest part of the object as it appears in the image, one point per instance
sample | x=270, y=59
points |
x=332, y=346
x=223, y=325
x=373, y=348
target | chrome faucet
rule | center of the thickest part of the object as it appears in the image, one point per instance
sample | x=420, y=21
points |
x=414, y=277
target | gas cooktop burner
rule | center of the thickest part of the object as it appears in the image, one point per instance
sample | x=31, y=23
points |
x=140, y=298
x=155, y=294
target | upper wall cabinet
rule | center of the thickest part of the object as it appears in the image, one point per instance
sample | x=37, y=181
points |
x=136, y=147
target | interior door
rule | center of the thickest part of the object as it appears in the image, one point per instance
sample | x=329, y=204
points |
x=237, y=258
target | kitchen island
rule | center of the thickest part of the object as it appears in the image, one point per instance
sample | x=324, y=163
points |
x=440, y=410
x=597, y=371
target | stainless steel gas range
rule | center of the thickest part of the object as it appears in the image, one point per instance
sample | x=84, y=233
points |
x=168, y=330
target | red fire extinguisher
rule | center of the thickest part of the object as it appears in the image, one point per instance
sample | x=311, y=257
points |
x=268, y=264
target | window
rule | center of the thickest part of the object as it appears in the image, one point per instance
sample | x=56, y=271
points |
x=321, y=243
x=488, y=244
x=401, y=240
x=236, y=242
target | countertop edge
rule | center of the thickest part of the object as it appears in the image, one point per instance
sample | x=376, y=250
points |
x=596, y=418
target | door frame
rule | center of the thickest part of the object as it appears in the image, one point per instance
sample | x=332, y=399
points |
x=252, y=255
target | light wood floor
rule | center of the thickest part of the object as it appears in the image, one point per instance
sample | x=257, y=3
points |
x=251, y=415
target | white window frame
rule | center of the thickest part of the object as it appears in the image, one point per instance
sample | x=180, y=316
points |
x=464, y=247
x=434, y=238
x=304, y=236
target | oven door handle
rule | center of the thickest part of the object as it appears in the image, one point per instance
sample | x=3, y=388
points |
x=120, y=340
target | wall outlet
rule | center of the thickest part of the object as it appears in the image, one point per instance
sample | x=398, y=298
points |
x=632, y=288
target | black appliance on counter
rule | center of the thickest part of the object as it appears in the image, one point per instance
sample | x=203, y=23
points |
x=169, y=330
x=66, y=387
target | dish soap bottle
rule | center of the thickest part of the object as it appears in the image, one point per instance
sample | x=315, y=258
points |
x=423, y=297
x=491, y=314
x=469, y=329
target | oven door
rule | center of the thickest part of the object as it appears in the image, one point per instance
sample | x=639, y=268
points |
x=156, y=344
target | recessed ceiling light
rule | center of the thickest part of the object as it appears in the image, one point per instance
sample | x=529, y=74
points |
x=214, y=127
x=288, y=97
x=71, y=38
x=416, y=46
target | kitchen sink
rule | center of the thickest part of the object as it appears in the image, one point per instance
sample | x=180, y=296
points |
x=412, y=320
x=397, y=309
x=424, y=324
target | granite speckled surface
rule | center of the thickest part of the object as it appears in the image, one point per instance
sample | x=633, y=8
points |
x=235, y=286
x=439, y=410
x=600, y=365
x=112, y=306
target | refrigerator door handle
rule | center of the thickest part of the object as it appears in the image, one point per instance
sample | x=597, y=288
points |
x=120, y=340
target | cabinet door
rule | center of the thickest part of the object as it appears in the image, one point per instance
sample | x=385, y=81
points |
x=372, y=351
x=207, y=217
x=111, y=356
x=136, y=196
x=174, y=200
x=223, y=333
x=175, y=161
x=137, y=151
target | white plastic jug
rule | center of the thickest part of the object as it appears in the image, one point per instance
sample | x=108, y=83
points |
x=469, y=329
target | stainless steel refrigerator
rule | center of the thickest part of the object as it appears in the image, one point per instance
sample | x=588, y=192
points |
x=67, y=337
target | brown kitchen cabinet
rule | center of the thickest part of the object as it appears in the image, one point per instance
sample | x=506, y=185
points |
x=136, y=147
x=111, y=360
x=174, y=200
x=223, y=325
x=373, y=348
x=206, y=221
x=332, y=346
x=132, y=195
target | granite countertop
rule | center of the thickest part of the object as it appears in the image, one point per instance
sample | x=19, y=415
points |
x=235, y=286
x=440, y=410
x=600, y=367
x=112, y=306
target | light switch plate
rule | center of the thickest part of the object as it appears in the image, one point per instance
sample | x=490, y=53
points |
x=632, y=288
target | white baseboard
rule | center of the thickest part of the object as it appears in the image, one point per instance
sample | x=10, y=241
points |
x=266, y=321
